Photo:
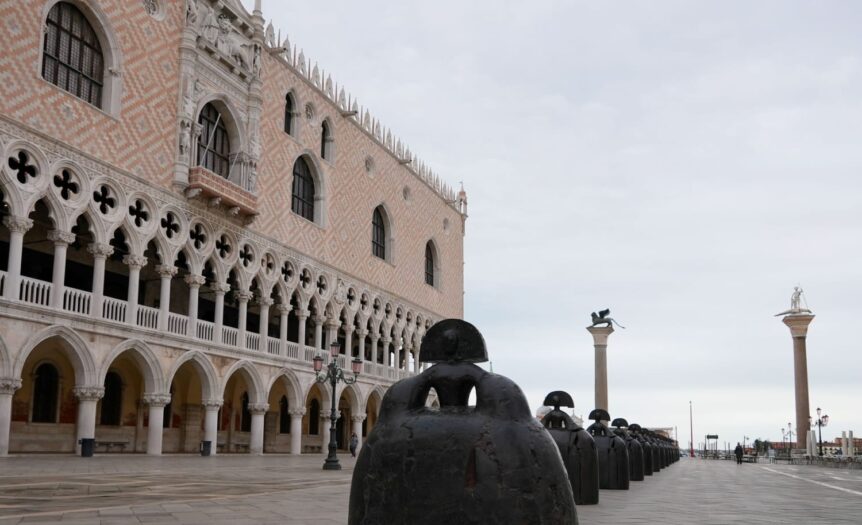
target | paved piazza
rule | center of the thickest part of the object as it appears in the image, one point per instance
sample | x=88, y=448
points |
x=286, y=489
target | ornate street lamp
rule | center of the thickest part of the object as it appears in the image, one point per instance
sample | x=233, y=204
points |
x=333, y=375
x=821, y=422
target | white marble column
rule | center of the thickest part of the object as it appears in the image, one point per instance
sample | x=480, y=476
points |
x=194, y=282
x=348, y=340
x=265, y=303
x=166, y=273
x=387, y=358
x=61, y=241
x=361, y=335
x=8, y=386
x=100, y=253
x=220, y=289
x=283, y=313
x=331, y=332
x=357, y=429
x=296, y=430
x=318, y=332
x=302, y=317
x=135, y=263
x=243, y=296
x=88, y=399
x=211, y=408
x=18, y=226
x=157, y=403
x=374, y=339
x=258, y=413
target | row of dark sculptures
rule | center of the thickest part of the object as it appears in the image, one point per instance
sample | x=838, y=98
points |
x=492, y=463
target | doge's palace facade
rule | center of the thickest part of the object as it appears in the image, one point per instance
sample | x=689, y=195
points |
x=191, y=212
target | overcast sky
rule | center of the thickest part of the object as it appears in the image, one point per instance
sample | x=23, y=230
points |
x=682, y=163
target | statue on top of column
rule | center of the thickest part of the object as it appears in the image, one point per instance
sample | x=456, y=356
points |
x=602, y=318
x=796, y=303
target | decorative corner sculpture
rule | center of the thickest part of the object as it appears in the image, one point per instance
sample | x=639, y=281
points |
x=602, y=318
x=484, y=464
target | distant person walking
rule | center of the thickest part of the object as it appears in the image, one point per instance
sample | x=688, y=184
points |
x=738, y=452
x=354, y=442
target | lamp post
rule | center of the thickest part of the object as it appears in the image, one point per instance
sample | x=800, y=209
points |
x=821, y=422
x=744, y=438
x=333, y=375
x=783, y=444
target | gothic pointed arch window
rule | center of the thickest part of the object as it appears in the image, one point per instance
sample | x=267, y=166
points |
x=72, y=54
x=289, y=111
x=304, y=191
x=46, y=385
x=245, y=415
x=213, y=142
x=379, y=233
x=326, y=141
x=283, y=416
x=430, y=264
x=112, y=401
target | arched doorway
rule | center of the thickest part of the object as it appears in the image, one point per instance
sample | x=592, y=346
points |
x=313, y=428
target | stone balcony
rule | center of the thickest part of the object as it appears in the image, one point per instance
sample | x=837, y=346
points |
x=79, y=303
x=236, y=193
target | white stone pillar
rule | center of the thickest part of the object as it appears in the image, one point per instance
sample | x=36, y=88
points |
x=361, y=336
x=348, y=340
x=258, y=413
x=8, y=386
x=302, y=317
x=374, y=339
x=283, y=313
x=211, y=408
x=265, y=303
x=220, y=289
x=331, y=333
x=844, y=448
x=357, y=429
x=243, y=296
x=135, y=263
x=600, y=342
x=194, y=282
x=387, y=358
x=851, y=446
x=318, y=332
x=100, y=253
x=296, y=430
x=88, y=398
x=61, y=241
x=18, y=226
x=157, y=404
x=166, y=273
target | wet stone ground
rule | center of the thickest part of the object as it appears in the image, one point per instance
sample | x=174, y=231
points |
x=284, y=489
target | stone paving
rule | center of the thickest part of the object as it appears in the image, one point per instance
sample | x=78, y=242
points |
x=278, y=489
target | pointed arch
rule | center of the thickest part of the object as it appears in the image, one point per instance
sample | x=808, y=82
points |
x=78, y=353
x=382, y=236
x=210, y=384
x=252, y=376
x=432, y=264
x=291, y=384
x=355, y=397
x=144, y=357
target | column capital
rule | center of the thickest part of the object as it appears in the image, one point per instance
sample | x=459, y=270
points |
x=302, y=314
x=61, y=238
x=358, y=419
x=18, y=224
x=265, y=301
x=375, y=337
x=320, y=321
x=157, y=399
x=798, y=324
x=220, y=288
x=348, y=328
x=100, y=249
x=386, y=340
x=600, y=334
x=212, y=404
x=195, y=281
x=135, y=261
x=244, y=296
x=89, y=393
x=284, y=309
x=258, y=408
x=9, y=385
x=362, y=333
x=166, y=271
x=296, y=412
